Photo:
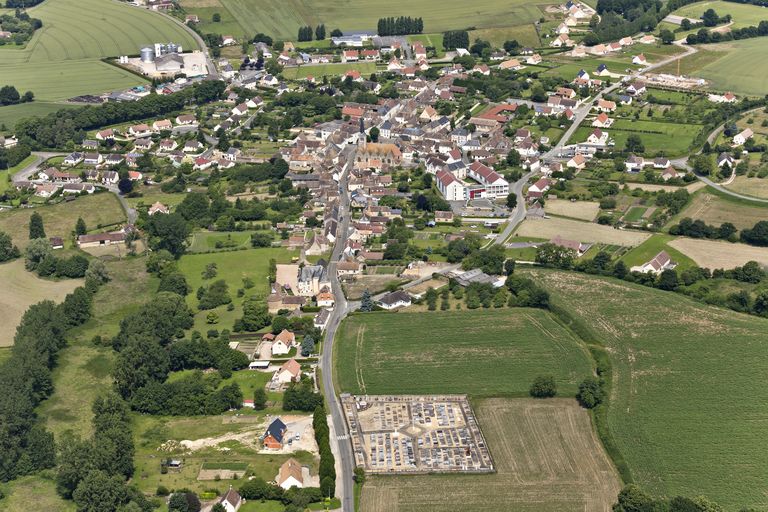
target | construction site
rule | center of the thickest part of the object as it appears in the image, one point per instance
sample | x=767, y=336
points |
x=415, y=434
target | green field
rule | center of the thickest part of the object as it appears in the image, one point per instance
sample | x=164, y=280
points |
x=18, y=494
x=321, y=70
x=281, y=19
x=688, y=405
x=63, y=58
x=10, y=115
x=648, y=250
x=672, y=139
x=232, y=267
x=480, y=352
x=743, y=15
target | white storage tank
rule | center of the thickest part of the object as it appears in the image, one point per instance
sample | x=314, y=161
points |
x=147, y=54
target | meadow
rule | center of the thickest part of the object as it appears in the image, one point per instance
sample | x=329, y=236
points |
x=233, y=267
x=669, y=139
x=717, y=209
x=321, y=70
x=11, y=114
x=281, y=19
x=547, y=458
x=478, y=352
x=653, y=246
x=59, y=220
x=744, y=15
x=687, y=408
x=63, y=58
x=21, y=289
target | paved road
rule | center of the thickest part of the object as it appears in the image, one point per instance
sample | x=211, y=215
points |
x=32, y=167
x=344, y=481
x=518, y=214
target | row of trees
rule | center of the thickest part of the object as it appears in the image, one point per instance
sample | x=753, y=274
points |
x=10, y=96
x=453, y=39
x=399, y=26
x=327, y=469
x=306, y=33
x=705, y=36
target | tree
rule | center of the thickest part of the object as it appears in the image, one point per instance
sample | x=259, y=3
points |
x=98, y=492
x=667, y=37
x=8, y=251
x=178, y=502
x=366, y=302
x=36, y=229
x=218, y=507
x=125, y=186
x=509, y=267
x=168, y=232
x=255, y=315
x=557, y=256
x=307, y=346
x=175, y=283
x=259, y=399
x=80, y=227
x=590, y=393
x=633, y=499
x=216, y=18
x=668, y=280
x=320, y=32
x=374, y=134
x=37, y=250
x=511, y=200
x=261, y=240
x=634, y=144
x=544, y=386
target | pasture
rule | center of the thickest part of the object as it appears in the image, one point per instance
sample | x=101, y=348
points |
x=669, y=139
x=12, y=114
x=21, y=289
x=281, y=19
x=743, y=15
x=321, y=70
x=756, y=187
x=653, y=246
x=63, y=58
x=59, y=220
x=383, y=353
x=547, y=457
x=719, y=254
x=581, y=231
x=716, y=209
x=688, y=404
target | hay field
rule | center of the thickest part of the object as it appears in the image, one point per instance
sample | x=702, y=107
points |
x=756, y=187
x=688, y=405
x=59, y=219
x=581, y=231
x=281, y=19
x=584, y=210
x=62, y=59
x=714, y=209
x=21, y=289
x=547, y=456
x=717, y=254
x=478, y=352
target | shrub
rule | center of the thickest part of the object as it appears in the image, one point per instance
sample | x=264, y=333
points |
x=544, y=386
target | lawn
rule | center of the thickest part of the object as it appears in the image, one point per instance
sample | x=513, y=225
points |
x=102, y=209
x=669, y=139
x=63, y=58
x=281, y=19
x=11, y=114
x=21, y=289
x=547, y=457
x=478, y=352
x=634, y=214
x=204, y=241
x=232, y=267
x=321, y=70
x=18, y=493
x=648, y=250
x=688, y=404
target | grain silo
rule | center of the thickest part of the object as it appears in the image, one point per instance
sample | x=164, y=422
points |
x=147, y=54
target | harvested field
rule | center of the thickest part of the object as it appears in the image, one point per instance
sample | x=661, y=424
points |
x=584, y=210
x=715, y=254
x=547, y=457
x=452, y=352
x=714, y=209
x=652, y=187
x=581, y=231
x=688, y=403
x=756, y=187
x=21, y=289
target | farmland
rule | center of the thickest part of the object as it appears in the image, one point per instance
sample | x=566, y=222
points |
x=59, y=220
x=583, y=210
x=281, y=19
x=22, y=289
x=321, y=70
x=687, y=408
x=743, y=15
x=581, y=231
x=651, y=247
x=756, y=187
x=715, y=209
x=386, y=353
x=63, y=58
x=564, y=469
x=718, y=254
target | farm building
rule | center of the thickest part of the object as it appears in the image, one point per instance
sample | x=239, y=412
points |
x=100, y=239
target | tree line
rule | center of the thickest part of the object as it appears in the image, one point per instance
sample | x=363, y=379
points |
x=327, y=469
x=399, y=26
x=622, y=18
x=453, y=39
x=705, y=36
x=10, y=96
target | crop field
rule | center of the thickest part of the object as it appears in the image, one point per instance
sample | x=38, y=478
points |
x=719, y=254
x=11, y=114
x=714, y=209
x=653, y=246
x=453, y=352
x=63, y=58
x=743, y=15
x=321, y=70
x=59, y=220
x=756, y=187
x=547, y=457
x=281, y=19
x=21, y=289
x=232, y=267
x=581, y=231
x=688, y=404
x=584, y=210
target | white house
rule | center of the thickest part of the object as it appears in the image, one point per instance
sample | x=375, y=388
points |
x=290, y=475
x=394, y=300
x=598, y=137
x=289, y=372
x=740, y=138
x=231, y=501
x=283, y=343
x=657, y=265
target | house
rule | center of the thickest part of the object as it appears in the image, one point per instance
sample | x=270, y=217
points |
x=626, y=41
x=78, y=188
x=105, y=134
x=142, y=144
x=578, y=247
x=113, y=159
x=740, y=138
x=185, y=119
x=541, y=186
x=100, y=239
x=598, y=137
x=228, y=40
x=661, y=163
x=275, y=434
x=639, y=60
x=167, y=145
x=577, y=162
x=602, y=70
x=657, y=265
x=533, y=59
x=109, y=177
x=158, y=207
x=192, y=146
x=46, y=190
x=419, y=52
x=605, y=105
x=347, y=268
x=350, y=56
x=290, y=475
x=283, y=343
x=290, y=371
x=163, y=124
x=725, y=159
x=56, y=242
x=512, y=64
x=634, y=163
x=325, y=298
x=443, y=216
x=139, y=131
x=73, y=159
x=636, y=88
x=670, y=173
x=561, y=40
x=495, y=185
x=93, y=159
x=728, y=97
x=240, y=110
x=449, y=186
x=231, y=501
x=394, y=300
x=602, y=121
x=322, y=318
x=647, y=39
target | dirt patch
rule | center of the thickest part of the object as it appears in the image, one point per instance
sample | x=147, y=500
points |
x=713, y=254
x=580, y=231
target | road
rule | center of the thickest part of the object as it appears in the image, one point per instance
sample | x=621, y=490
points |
x=344, y=480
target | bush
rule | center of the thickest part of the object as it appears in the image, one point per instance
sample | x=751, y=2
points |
x=543, y=386
x=590, y=393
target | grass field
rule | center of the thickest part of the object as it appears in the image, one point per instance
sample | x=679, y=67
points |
x=653, y=246
x=743, y=15
x=480, y=352
x=18, y=494
x=10, y=115
x=635, y=213
x=581, y=231
x=525, y=35
x=59, y=220
x=715, y=209
x=232, y=267
x=718, y=254
x=687, y=409
x=21, y=289
x=672, y=139
x=281, y=19
x=203, y=241
x=756, y=187
x=736, y=66
x=63, y=58
x=321, y=70
x=547, y=458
